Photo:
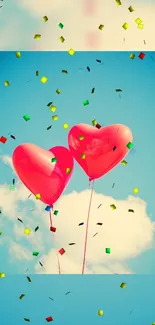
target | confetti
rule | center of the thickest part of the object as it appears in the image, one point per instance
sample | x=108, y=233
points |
x=99, y=224
x=58, y=91
x=51, y=298
x=113, y=207
x=2, y=275
x=140, y=26
x=138, y=21
x=13, y=137
x=118, y=2
x=12, y=187
x=83, y=156
x=45, y=18
x=71, y=244
x=95, y=234
x=100, y=313
x=27, y=319
x=130, y=210
x=81, y=137
x=66, y=126
x=49, y=319
x=71, y=52
x=81, y=223
x=53, y=229
x=37, y=37
x=49, y=127
x=99, y=206
x=54, y=160
x=130, y=145
x=131, y=9
x=56, y=212
x=61, y=38
x=88, y=69
x=125, y=26
x=61, y=25
x=18, y=55
x=61, y=251
x=27, y=231
x=132, y=56
x=48, y=208
x=44, y=79
x=37, y=73
x=52, y=108
x=21, y=296
x=99, y=61
x=38, y=196
x=49, y=104
x=98, y=126
x=3, y=140
x=123, y=285
x=93, y=90
x=26, y=117
x=118, y=90
x=19, y=220
x=6, y=83
x=55, y=117
x=136, y=190
x=35, y=253
x=68, y=170
x=64, y=71
x=108, y=250
x=101, y=27
x=0, y=233
x=36, y=229
x=124, y=162
x=141, y=55
x=94, y=122
x=28, y=279
x=41, y=264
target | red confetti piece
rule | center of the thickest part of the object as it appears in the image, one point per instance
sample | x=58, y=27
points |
x=142, y=55
x=61, y=251
x=3, y=139
x=98, y=126
x=53, y=229
x=49, y=319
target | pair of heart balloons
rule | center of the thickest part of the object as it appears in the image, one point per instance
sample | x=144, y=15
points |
x=47, y=172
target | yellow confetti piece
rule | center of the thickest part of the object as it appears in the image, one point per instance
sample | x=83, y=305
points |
x=55, y=117
x=38, y=196
x=71, y=52
x=136, y=190
x=18, y=55
x=123, y=285
x=140, y=26
x=58, y=91
x=2, y=275
x=100, y=312
x=125, y=26
x=6, y=83
x=138, y=21
x=68, y=170
x=94, y=122
x=52, y=108
x=81, y=137
x=0, y=233
x=37, y=37
x=132, y=56
x=118, y=2
x=44, y=79
x=66, y=126
x=27, y=231
x=45, y=18
x=83, y=156
x=113, y=207
x=61, y=38
x=131, y=9
x=124, y=162
x=101, y=27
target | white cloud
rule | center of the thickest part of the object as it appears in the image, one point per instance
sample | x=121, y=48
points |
x=7, y=160
x=19, y=252
x=79, y=25
x=127, y=234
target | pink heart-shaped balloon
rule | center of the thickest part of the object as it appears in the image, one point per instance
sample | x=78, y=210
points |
x=99, y=150
x=40, y=174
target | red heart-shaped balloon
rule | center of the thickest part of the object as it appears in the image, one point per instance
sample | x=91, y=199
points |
x=41, y=173
x=99, y=150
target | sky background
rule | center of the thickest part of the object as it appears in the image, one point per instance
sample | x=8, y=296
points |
x=20, y=20
x=131, y=305
x=135, y=108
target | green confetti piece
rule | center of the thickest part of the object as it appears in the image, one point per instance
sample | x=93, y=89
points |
x=123, y=285
x=53, y=159
x=60, y=25
x=56, y=212
x=26, y=117
x=108, y=250
x=35, y=253
x=12, y=187
x=130, y=145
x=86, y=102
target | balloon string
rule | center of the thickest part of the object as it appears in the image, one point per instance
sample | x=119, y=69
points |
x=87, y=226
x=56, y=249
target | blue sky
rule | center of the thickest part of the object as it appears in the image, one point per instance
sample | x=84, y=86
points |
x=27, y=95
x=131, y=305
